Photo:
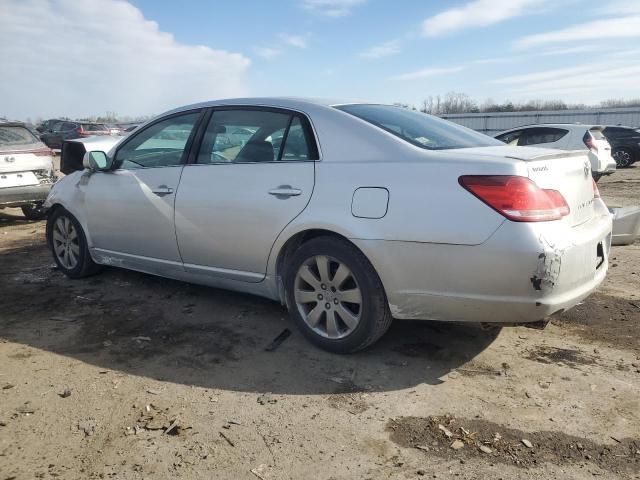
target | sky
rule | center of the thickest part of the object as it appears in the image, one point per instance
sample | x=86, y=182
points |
x=141, y=57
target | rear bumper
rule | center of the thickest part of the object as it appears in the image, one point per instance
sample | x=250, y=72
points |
x=523, y=273
x=18, y=196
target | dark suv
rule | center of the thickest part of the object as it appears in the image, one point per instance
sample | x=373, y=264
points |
x=625, y=144
x=47, y=125
x=66, y=130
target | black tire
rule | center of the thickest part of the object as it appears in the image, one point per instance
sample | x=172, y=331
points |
x=375, y=318
x=34, y=212
x=85, y=265
x=623, y=157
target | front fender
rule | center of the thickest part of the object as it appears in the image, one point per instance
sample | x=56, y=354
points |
x=70, y=193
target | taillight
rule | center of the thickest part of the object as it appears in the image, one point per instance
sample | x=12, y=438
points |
x=517, y=198
x=588, y=141
x=596, y=192
x=80, y=131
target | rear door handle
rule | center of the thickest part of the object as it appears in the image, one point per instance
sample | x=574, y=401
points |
x=162, y=190
x=285, y=191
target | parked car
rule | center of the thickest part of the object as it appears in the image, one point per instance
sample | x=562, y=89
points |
x=566, y=136
x=378, y=212
x=48, y=125
x=26, y=170
x=114, y=129
x=66, y=130
x=625, y=144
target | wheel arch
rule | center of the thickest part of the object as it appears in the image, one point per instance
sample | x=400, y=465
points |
x=81, y=220
x=293, y=242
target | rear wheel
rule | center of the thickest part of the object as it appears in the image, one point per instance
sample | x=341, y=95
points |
x=34, y=211
x=69, y=245
x=623, y=157
x=335, y=296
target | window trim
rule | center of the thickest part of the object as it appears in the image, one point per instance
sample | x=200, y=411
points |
x=307, y=127
x=188, y=147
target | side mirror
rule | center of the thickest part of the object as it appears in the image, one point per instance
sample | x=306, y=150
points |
x=96, y=161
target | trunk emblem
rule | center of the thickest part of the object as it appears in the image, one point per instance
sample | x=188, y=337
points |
x=587, y=169
x=9, y=159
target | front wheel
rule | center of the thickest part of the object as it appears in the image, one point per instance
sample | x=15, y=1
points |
x=335, y=296
x=69, y=245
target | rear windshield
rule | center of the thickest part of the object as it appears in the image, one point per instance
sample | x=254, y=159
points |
x=91, y=127
x=16, y=136
x=420, y=129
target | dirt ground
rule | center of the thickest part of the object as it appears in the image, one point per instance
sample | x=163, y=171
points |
x=129, y=376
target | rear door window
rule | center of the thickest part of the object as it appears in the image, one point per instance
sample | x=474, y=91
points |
x=539, y=135
x=255, y=136
x=92, y=127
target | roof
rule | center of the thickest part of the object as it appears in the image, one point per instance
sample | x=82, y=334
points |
x=300, y=103
x=556, y=125
x=12, y=124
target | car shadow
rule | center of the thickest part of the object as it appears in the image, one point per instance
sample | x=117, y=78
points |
x=13, y=216
x=177, y=332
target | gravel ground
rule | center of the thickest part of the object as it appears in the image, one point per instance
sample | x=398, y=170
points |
x=129, y=376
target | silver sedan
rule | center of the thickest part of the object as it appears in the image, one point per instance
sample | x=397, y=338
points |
x=350, y=214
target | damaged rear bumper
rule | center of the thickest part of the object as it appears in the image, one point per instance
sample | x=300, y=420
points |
x=523, y=273
x=18, y=196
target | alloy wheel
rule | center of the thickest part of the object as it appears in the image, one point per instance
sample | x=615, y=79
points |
x=66, y=242
x=622, y=158
x=328, y=297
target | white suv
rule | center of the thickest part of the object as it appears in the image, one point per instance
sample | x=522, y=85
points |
x=566, y=136
x=26, y=170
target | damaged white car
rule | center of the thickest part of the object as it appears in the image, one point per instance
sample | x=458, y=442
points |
x=351, y=214
x=26, y=170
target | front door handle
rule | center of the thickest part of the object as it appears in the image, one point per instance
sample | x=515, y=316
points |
x=285, y=191
x=162, y=190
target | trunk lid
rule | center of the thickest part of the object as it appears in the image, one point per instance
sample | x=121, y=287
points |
x=25, y=160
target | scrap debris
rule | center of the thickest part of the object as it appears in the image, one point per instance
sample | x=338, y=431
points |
x=227, y=439
x=278, y=340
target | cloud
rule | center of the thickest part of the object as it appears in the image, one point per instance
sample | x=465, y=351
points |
x=478, y=13
x=332, y=8
x=612, y=28
x=495, y=60
x=426, y=73
x=618, y=7
x=383, y=50
x=268, y=53
x=297, y=41
x=584, y=83
x=545, y=75
x=571, y=50
x=64, y=57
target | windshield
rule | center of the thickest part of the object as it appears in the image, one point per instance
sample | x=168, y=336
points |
x=419, y=129
x=16, y=136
